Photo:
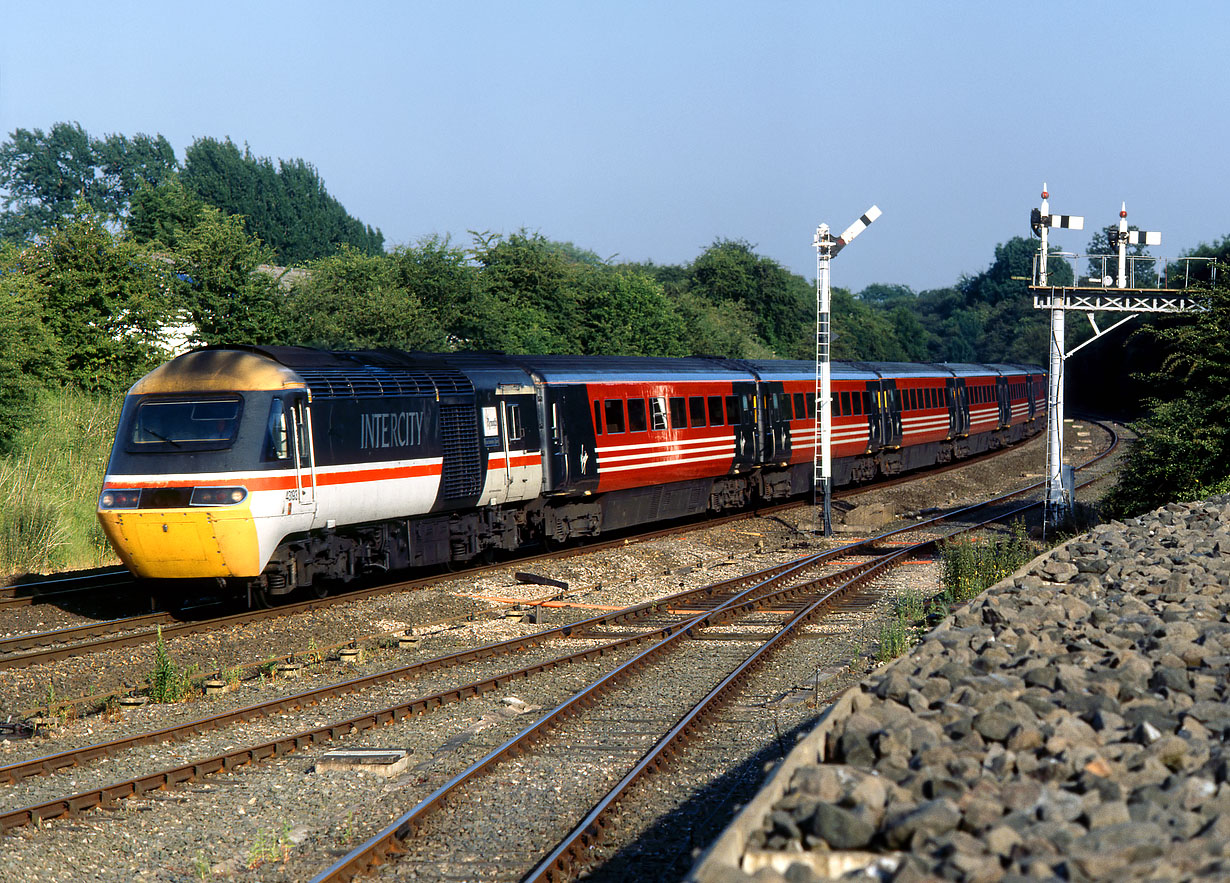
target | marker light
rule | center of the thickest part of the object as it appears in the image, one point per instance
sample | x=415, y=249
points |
x=119, y=499
x=218, y=496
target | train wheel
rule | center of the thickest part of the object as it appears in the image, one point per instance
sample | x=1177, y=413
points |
x=259, y=597
x=318, y=589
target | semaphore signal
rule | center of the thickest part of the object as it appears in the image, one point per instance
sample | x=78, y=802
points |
x=1100, y=292
x=826, y=249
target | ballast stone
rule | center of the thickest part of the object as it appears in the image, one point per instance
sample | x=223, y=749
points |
x=1070, y=723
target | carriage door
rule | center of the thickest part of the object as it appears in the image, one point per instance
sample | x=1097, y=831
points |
x=302, y=498
x=519, y=441
x=892, y=413
x=776, y=426
x=958, y=407
x=871, y=408
x=1005, y=401
x=741, y=415
x=571, y=452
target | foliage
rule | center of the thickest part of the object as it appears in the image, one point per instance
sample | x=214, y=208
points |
x=286, y=206
x=164, y=213
x=1183, y=445
x=222, y=292
x=627, y=314
x=44, y=174
x=712, y=329
x=729, y=271
x=28, y=357
x=905, y=627
x=102, y=298
x=358, y=301
x=528, y=300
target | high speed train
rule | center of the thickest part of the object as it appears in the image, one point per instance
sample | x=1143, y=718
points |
x=277, y=468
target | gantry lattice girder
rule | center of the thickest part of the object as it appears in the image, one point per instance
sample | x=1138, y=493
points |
x=1123, y=300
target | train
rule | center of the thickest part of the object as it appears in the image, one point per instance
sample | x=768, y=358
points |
x=274, y=469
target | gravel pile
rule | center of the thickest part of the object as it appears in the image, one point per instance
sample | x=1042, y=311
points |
x=1070, y=723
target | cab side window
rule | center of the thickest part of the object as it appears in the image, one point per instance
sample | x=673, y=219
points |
x=277, y=434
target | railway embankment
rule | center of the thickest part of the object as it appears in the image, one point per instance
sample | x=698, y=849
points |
x=1070, y=723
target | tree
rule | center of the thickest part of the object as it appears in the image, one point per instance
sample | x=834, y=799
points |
x=626, y=314
x=1183, y=445
x=102, y=299
x=783, y=303
x=43, y=174
x=164, y=213
x=28, y=356
x=224, y=296
x=287, y=207
x=355, y=301
x=527, y=300
x=712, y=329
x=445, y=281
x=887, y=295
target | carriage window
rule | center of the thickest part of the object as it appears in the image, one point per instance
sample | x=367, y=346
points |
x=734, y=410
x=787, y=408
x=614, y=416
x=845, y=404
x=679, y=413
x=811, y=406
x=800, y=408
x=867, y=402
x=715, y=411
x=696, y=410
x=636, y=415
x=657, y=412
x=597, y=417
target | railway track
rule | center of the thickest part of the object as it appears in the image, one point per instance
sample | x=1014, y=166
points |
x=619, y=636
x=676, y=615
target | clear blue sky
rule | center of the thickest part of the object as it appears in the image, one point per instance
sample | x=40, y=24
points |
x=646, y=130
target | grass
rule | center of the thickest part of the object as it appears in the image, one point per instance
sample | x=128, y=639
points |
x=49, y=485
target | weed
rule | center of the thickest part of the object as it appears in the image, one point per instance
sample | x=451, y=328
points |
x=970, y=567
x=314, y=656
x=896, y=636
x=167, y=682
x=200, y=866
x=270, y=847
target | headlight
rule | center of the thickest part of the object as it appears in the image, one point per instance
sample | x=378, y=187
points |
x=218, y=496
x=119, y=499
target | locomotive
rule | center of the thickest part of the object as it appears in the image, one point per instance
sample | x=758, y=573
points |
x=272, y=469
